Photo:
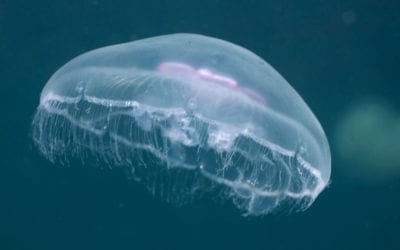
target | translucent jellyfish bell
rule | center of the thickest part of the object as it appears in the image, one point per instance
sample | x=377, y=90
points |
x=187, y=115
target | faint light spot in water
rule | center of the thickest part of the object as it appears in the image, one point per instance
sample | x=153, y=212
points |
x=368, y=141
x=349, y=17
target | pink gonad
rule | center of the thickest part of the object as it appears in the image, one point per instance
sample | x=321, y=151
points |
x=185, y=70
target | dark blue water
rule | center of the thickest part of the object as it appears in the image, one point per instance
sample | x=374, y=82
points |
x=341, y=56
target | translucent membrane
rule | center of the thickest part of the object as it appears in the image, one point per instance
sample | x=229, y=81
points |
x=187, y=115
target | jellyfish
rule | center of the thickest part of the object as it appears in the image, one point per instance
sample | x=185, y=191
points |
x=188, y=116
